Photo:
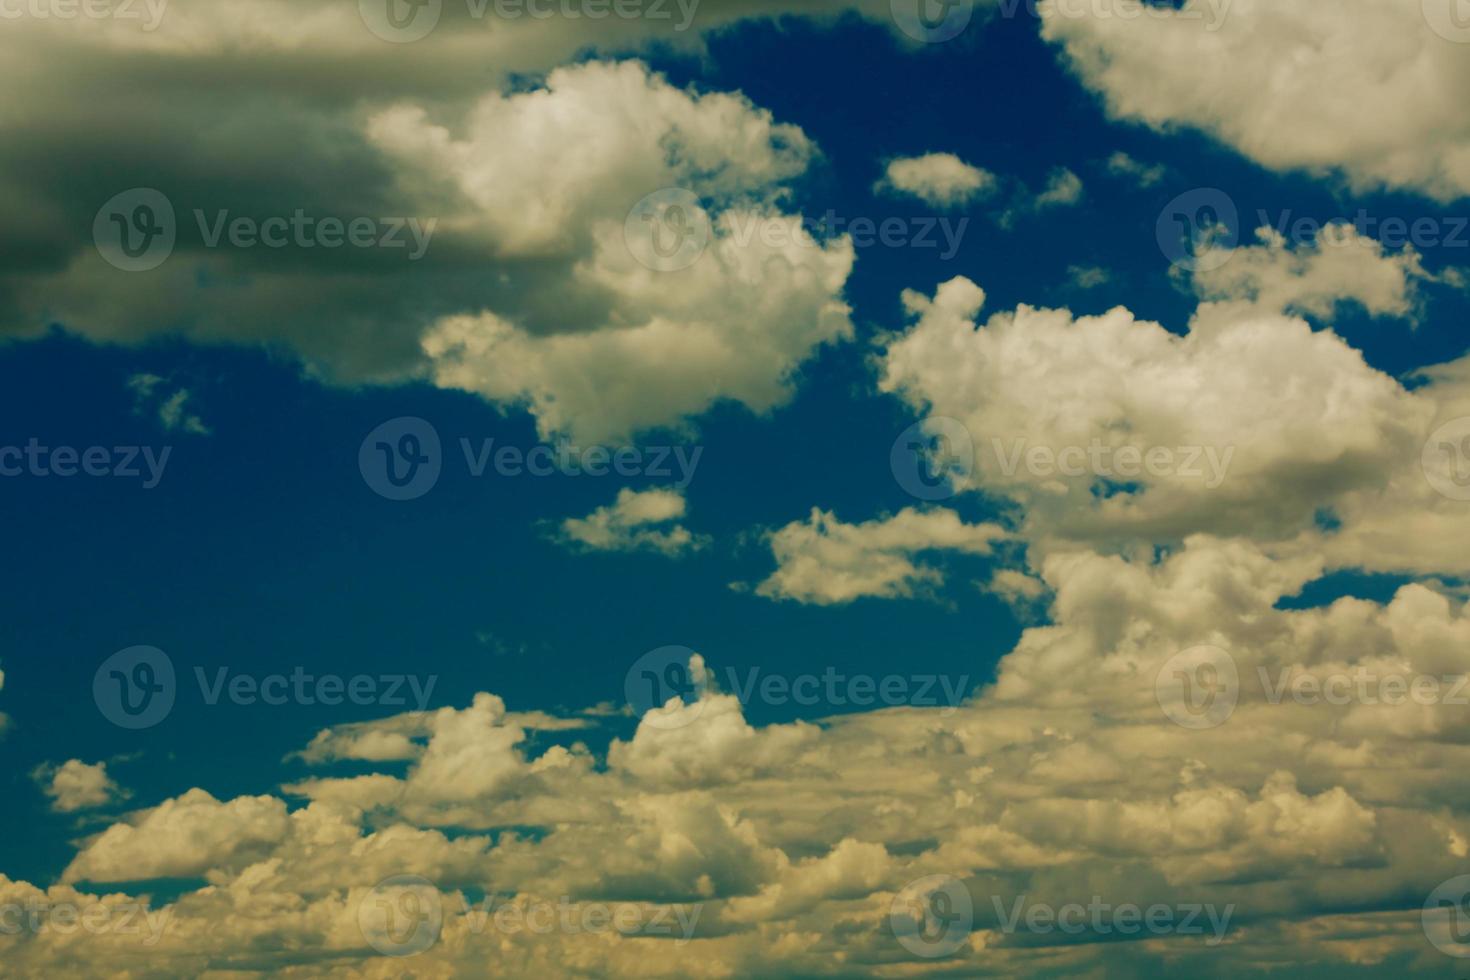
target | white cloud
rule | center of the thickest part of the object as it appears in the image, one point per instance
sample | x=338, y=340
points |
x=823, y=561
x=1142, y=175
x=941, y=180
x=637, y=521
x=77, y=785
x=1373, y=93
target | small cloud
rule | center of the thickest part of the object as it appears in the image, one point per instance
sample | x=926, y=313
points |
x=941, y=180
x=1142, y=175
x=172, y=408
x=76, y=785
x=636, y=521
x=1063, y=189
x=1087, y=276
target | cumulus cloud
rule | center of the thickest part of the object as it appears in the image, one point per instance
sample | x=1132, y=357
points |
x=637, y=521
x=941, y=180
x=823, y=561
x=1370, y=94
x=77, y=785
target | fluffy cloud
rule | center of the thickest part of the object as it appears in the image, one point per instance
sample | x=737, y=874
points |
x=540, y=285
x=825, y=562
x=1371, y=94
x=77, y=785
x=941, y=180
x=636, y=521
x=1322, y=824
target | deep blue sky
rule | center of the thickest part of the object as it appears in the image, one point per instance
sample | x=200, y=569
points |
x=263, y=549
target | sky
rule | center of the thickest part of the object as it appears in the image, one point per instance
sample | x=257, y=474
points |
x=736, y=488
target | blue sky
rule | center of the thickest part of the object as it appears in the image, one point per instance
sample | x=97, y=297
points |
x=262, y=549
